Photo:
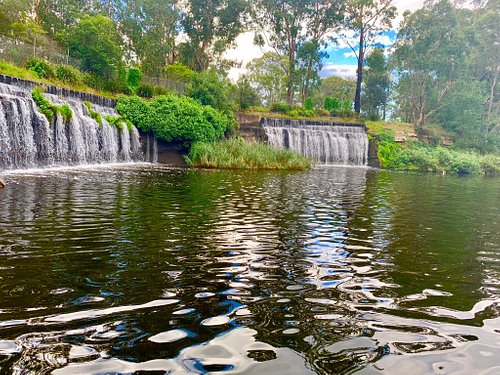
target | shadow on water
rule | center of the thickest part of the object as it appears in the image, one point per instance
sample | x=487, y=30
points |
x=336, y=270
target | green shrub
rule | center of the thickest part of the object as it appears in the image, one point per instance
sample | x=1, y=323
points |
x=294, y=113
x=175, y=119
x=41, y=68
x=322, y=113
x=67, y=74
x=145, y=91
x=48, y=109
x=308, y=104
x=119, y=122
x=93, y=114
x=134, y=77
x=235, y=153
x=280, y=107
x=66, y=113
x=43, y=104
x=179, y=73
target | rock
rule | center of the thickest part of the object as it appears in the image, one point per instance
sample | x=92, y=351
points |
x=2, y=183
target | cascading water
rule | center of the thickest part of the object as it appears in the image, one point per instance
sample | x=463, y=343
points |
x=327, y=143
x=28, y=140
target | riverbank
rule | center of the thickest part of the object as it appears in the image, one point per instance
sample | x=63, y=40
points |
x=399, y=148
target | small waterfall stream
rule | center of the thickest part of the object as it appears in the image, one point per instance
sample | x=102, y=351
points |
x=28, y=140
x=327, y=143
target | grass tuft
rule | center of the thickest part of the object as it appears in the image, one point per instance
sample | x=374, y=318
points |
x=235, y=153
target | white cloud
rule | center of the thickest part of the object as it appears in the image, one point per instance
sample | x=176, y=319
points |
x=344, y=71
x=348, y=55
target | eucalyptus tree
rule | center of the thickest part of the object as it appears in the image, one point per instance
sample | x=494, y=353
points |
x=377, y=84
x=429, y=57
x=211, y=27
x=151, y=27
x=366, y=18
x=267, y=75
x=287, y=24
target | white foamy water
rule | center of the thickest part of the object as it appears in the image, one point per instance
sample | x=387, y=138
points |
x=29, y=141
x=324, y=142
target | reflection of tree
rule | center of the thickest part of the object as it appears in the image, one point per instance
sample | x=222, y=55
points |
x=438, y=230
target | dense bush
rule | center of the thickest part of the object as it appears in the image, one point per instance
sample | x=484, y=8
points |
x=175, y=119
x=235, y=153
x=425, y=158
x=179, y=73
x=280, y=107
x=308, y=104
x=146, y=91
x=41, y=68
x=67, y=74
x=209, y=89
x=134, y=77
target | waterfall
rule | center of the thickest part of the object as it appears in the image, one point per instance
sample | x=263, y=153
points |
x=325, y=142
x=28, y=140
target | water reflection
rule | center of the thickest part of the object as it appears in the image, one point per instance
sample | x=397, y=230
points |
x=333, y=271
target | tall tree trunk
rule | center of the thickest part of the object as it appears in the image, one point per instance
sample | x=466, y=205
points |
x=359, y=78
x=492, y=92
x=291, y=75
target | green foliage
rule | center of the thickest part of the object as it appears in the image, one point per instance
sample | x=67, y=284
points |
x=68, y=74
x=332, y=104
x=93, y=114
x=44, y=105
x=211, y=27
x=235, y=153
x=179, y=73
x=66, y=113
x=134, y=77
x=376, y=85
x=48, y=109
x=146, y=91
x=247, y=95
x=421, y=157
x=119, y=122
x=96, y=43
x=308, y=104
x=209, y=89
x=41, y=68
x=175, y=119
x=280, y=107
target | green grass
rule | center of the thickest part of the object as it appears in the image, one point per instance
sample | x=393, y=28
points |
x=23, y=73
x=417, y=156
x=235, y=153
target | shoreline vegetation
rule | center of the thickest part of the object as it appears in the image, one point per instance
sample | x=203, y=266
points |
x=235, y=153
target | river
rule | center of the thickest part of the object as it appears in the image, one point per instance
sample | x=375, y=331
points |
x=333, y=271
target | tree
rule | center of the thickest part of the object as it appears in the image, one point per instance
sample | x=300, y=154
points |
x=334, y=87
x=484, y=60
x=151, y=28
x=97, y=44
x=429, y=57
x=309, y=63
x=377, y=82
x=366, y=18
x=11, y=12
x=209, y=88
x=211, y=26
x=286, y=24
x=267, y=74
x=247, y=95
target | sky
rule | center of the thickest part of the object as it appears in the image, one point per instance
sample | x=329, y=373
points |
x=341, y=61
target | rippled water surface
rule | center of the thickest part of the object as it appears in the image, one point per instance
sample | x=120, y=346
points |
x=333, y=271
